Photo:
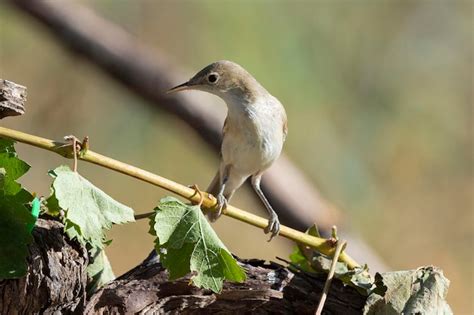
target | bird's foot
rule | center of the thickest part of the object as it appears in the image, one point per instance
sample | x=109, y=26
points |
x=273, y=226
x=220, y=207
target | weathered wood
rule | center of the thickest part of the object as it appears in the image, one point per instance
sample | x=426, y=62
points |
x=57, y=280
x=12, y=99
x=269, y=289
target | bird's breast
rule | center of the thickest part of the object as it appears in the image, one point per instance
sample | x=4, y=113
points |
x=253, y=138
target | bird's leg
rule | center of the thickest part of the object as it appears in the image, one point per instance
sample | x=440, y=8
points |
x=221, y=199
x=221, y=203
x=273, y=223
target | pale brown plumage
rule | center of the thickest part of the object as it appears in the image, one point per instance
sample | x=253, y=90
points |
x=253, y=132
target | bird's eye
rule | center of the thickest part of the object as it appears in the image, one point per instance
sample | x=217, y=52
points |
x=212, y=78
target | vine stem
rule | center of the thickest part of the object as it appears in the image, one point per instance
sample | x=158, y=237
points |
x=325, y=246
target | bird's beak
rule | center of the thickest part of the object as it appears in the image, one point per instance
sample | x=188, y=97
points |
x=181, y=87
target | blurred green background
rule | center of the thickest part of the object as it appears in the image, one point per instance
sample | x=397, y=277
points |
x=379, y=99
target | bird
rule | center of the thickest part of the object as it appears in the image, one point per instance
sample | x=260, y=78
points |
x=253, y=133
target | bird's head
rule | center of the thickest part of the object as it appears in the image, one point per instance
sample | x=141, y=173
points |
x=225, y=79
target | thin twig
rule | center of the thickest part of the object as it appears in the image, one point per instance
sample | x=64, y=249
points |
x=144, y=215
x=340, y=245
x=322, y=245
x=74, y=150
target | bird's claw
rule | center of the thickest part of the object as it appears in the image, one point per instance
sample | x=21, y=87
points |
x=221, y=204
x=273, y=227
x=220, y=207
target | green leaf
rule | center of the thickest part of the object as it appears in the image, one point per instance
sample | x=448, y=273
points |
x=358, y=278
x=14, y=237
x=3, y=174
x=16, y=221
x=309, y=260
x=420, y=291
x=187, y=243
x=52, y=205
x=88, y=210
x=7, y=146
x=11, y=168
x=300, y=261
x=99, y=271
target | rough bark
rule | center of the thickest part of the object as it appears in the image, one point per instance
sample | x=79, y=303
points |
x=269, y=289
x=12, y=99
x=57, y=280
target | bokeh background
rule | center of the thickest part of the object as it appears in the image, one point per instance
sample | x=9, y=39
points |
x=379, y=99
